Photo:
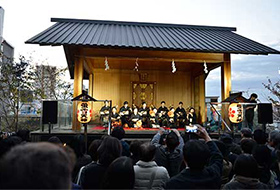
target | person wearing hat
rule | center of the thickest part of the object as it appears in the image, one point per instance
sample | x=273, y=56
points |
x=125, y=113
x=104, y=113
x=180, y=115
x=162, y=113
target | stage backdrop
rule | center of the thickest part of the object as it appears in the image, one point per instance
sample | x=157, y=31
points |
x=149, y=86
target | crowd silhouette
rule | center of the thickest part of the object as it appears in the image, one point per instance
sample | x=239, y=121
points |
x=170, y=160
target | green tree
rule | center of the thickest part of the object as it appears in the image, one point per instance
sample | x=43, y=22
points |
x=12, y=79
x=41, y=81
x=48, y=82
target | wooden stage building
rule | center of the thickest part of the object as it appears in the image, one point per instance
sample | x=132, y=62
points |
x=135, y=61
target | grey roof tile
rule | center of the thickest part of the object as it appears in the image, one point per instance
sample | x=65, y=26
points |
x=148, y=36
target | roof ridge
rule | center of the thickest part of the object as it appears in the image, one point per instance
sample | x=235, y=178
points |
x=143, y=24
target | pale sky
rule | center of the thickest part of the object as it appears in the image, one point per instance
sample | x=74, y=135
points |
x=258, y=20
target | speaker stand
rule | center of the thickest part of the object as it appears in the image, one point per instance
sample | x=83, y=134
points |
x=264, y=127
x=50, y=127
x=85, y=136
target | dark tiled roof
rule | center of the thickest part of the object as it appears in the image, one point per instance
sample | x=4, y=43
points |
x=155, y=36
x=235, y=97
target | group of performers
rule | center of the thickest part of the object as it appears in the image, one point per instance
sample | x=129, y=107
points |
x=148, y=117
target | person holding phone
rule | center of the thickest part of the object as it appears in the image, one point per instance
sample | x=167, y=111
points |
x=204, y=164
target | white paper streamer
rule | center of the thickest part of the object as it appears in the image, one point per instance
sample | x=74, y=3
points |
x=173, y=66
x=106, y=64
x=205, y=67
x=136, y=65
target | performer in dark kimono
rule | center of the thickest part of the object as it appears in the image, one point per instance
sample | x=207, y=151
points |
x=135, y=119
x=171, y=118
x=180, y=116
x=115, y=118
x=153, y=117
x=162, y=114
x=191, y=117
x=144, y=113
x=125, y=113
x=249, y=113
x=104, y=114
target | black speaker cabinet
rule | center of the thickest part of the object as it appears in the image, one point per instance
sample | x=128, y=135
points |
x=50, y=112
x=265, y=113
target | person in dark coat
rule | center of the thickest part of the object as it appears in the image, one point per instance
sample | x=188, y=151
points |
x=170, y=155
x=119, y=133
x=260, y=136
x=92, y=175
x=262, y=154
x=248, y=145
x=191, y=117
x=78, y=145
x=249, y=113
x=135, y=151
x=162, y=114
x=120, y=174
x=125, y=113
x=180, y=115
x=227, y=165
x=35, y=166
x=246, y=174
x=197, y=175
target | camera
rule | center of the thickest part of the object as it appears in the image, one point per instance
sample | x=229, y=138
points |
x=163, y=136
x=6, y=134
x=191, y=129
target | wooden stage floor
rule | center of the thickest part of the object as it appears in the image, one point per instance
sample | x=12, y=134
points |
x=96, y=132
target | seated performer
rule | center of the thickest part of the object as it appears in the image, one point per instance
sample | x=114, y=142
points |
x=171, y=118
x=125, y=113
x=153, y=116
x=191, y=117
x=162, y=114
x=135, y=119
x=144, y=113
x=115, y=118
x=180, y=116
x=104, y=114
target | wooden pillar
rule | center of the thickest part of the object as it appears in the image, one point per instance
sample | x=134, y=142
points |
x=90, y=85
x=226, y=85
x=226, y=76
x=78, y=87
x=199, y=98
x=90, y=89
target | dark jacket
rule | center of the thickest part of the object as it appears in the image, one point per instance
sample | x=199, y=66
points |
x=92, y=176
x=125, y=148
x=81, y=161
x=240, y=182
x=208, y=178
x=171, y=160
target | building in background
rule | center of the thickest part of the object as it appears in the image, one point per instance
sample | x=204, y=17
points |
x=6, y=49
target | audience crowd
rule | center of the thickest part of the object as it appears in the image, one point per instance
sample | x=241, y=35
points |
x=171, y=160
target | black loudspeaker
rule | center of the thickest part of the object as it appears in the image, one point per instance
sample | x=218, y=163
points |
x=50, y=112
x=265, y=113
